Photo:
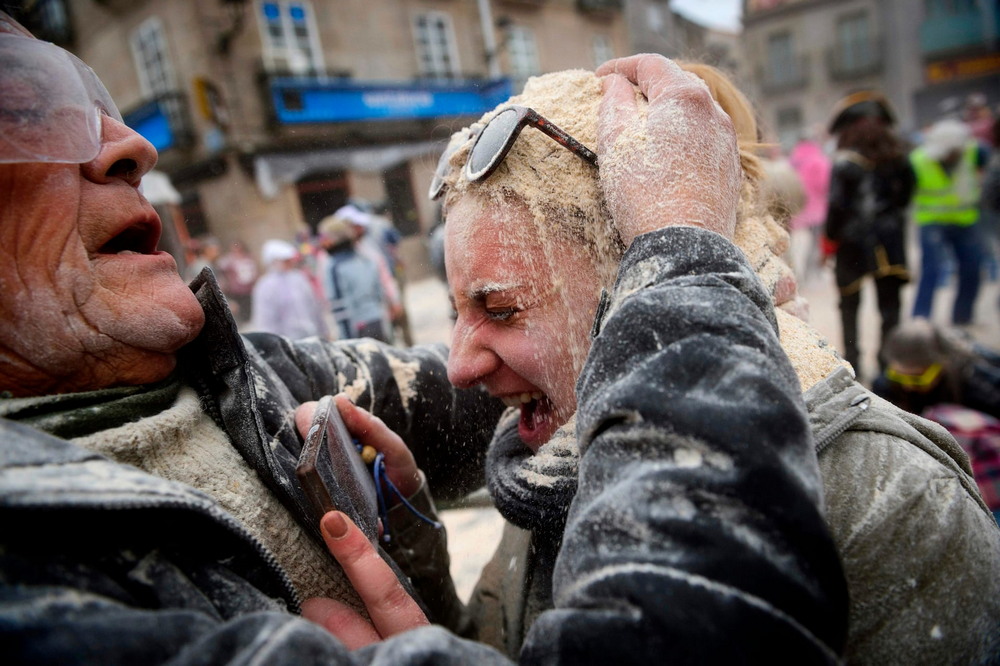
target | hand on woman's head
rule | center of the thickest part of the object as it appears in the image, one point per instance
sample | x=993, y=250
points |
x=668, y=159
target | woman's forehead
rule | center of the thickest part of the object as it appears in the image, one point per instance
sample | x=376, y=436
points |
x=473, y=215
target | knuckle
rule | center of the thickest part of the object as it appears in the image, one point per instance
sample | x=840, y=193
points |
x=394, y=597
x=357, y=553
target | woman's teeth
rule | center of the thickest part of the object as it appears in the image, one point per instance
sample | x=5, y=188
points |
x=518, y=400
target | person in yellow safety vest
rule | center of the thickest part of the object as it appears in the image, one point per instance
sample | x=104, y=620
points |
x=948, y=167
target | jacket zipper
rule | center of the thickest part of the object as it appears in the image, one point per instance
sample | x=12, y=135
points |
x=291, y=594
x=855, y=409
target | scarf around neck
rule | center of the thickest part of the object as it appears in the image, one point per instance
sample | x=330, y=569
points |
x=532, y=491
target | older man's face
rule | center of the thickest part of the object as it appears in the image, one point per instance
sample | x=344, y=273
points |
x=86, y=301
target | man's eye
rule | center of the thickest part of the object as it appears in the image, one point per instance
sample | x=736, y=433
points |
x=501, y=315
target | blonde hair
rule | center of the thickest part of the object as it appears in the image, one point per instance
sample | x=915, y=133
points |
x=562, y=193
x=564, y=198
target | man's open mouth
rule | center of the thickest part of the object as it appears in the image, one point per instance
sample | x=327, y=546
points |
x=536, y=410
x=139, y=237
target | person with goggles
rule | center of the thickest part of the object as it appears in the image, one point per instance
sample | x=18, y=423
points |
x=123, y=387
x=927, y=365
x=148, y=451
x=52, y=105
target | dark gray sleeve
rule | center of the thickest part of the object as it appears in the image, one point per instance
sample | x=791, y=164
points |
x=447, y=429
x=696, y=532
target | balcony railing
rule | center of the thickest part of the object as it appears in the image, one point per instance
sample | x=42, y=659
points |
x=324, y=99
x=855, y=61
x=792, y=76
x=164, y=121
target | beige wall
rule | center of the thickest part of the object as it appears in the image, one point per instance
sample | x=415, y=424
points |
x=236, y=211
x=564, y=36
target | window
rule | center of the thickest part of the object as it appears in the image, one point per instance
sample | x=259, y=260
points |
x=854, y=43
x=435, y=43
x=48, y=20
x=149, y=50
x=157, y=81
x=781, y=59
x=523, y=53
x=290, y=38
x=602, y=50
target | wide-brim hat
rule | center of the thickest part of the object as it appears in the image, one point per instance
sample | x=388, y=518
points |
x=863, y=104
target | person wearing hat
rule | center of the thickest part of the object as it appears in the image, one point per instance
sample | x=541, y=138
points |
x=352, y=282
x=870, y=188
x=949, y=168
x=368, y=244
x=284, y=302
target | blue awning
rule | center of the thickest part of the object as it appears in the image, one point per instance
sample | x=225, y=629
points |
x=316, y=100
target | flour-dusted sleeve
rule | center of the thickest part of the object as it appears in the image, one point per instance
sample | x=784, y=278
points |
x=697, y=534
x=136, y=569
x=447, y=429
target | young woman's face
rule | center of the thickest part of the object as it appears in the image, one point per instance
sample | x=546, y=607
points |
x=525, y=305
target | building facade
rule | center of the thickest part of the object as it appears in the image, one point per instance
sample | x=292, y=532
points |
x=925, y=55
x=653, y=27
x=271, y=114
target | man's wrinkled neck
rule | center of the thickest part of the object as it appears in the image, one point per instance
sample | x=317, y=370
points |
x=19, y=379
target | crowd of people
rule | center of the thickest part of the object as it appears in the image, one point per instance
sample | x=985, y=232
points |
x=342, y=282
x=861, y=199
x=687, y=470
x=871, y=188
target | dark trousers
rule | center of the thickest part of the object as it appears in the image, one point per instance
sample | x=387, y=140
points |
x=966, y=245
x=887, y=289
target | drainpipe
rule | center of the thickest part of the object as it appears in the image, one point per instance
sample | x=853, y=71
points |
x=489, y=39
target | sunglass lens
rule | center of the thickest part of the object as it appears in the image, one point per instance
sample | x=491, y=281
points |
x=490, y=148
x=437, y=183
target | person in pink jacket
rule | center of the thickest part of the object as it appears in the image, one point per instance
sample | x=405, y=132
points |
x=813, y=167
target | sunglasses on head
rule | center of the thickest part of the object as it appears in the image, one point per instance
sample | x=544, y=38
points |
x=494, y=140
